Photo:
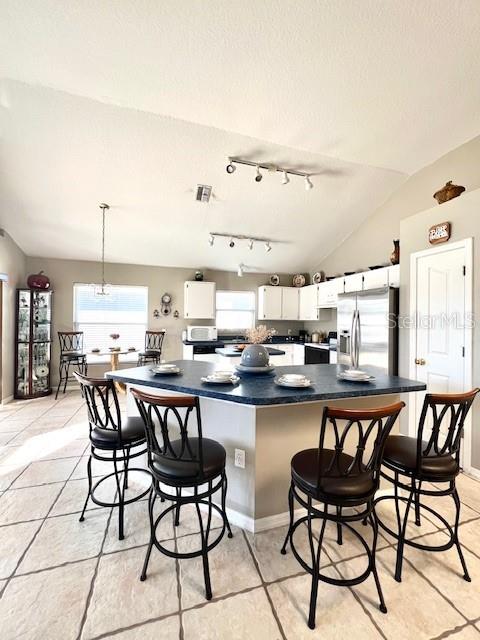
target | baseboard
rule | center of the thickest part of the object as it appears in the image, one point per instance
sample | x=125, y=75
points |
x=7, y=399
x=474, y=473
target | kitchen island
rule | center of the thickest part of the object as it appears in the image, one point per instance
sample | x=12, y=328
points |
x=270, y=423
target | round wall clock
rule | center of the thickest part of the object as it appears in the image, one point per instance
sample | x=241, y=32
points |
x=166, y=301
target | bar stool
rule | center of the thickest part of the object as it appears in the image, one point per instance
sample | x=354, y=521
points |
x=185, y=462
x=71, y=355
x=340, y=481
x=434, y=457
x=118, y=442
x=153, y=348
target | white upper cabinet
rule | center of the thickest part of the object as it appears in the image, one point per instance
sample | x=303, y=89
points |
x=269, y=303
x=290, y=303
x=353, y=282
x=328, y=292
x=199, y=300
x=309, y=302
x=375, y=278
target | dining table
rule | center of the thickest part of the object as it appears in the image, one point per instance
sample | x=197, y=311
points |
x=114, y=355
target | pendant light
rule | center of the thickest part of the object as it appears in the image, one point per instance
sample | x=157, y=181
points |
x=102, y=290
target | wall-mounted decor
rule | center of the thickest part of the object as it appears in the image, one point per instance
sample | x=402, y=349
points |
x=448, y=192
x=440, y=233
x=395, y=255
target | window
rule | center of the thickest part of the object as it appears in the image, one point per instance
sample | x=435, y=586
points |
x=235, y=310
x=123, y=311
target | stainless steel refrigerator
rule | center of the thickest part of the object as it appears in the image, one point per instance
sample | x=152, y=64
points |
x=367, y=325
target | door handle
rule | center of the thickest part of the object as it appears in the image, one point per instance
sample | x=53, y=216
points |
x=420, y=361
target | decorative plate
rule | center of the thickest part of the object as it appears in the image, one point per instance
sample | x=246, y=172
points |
x=232, y=380
x=290, y=385
x=317, y=277
x=298, y=280
x=274, y=280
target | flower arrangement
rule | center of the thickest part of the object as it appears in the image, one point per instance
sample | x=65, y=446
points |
x=259, y=335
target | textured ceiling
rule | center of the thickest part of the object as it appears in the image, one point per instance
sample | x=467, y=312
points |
x=364, y=92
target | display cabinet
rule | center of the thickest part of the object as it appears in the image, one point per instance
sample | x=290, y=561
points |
x=33, y=343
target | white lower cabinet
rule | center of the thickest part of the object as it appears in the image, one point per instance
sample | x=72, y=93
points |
x=298, y=354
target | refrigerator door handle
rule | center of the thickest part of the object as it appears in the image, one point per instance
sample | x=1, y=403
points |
x=353, y=340
x=358, y=340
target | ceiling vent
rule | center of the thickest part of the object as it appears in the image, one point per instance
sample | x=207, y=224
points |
x=203, y=192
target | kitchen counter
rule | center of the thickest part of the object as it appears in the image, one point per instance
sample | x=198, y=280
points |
x=269, y=423
x=232, y=353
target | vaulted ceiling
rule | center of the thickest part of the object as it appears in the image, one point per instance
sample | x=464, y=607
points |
x=135, y=102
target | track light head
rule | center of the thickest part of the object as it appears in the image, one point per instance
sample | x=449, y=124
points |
x=285, y=179
x=240, y=270
x=308, y=183
x=258, y=175
x=268, y=247
x=211, y=240
x=250, y=244
x=230, y=167
x=231, y=244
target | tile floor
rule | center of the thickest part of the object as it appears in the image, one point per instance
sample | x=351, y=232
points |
x=61, y=579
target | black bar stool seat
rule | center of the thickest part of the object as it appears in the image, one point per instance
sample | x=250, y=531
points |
x=133, y=432
x=334, y=486
x=214, y=457
x=415, y=461
x=307, y=464
x=401, y=453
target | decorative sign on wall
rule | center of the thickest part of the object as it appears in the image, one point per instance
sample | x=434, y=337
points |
x=439, y=233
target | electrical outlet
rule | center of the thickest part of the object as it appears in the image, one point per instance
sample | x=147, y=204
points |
x=240, y=458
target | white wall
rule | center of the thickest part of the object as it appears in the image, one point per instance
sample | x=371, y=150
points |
x=64, y=273
x=13, y=264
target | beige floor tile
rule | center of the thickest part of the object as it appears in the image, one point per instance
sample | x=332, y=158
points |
x=337, y=613
x=230, y=552
x=49, y=604
x=469, y=536
x=469, y=491
x=27, y=504
x=14, y=424
x=410, y=603
x=14, y=539
x=189, y=523
x=99, y=468
x=48, y=421
x=39, y=437
x=46, y=471
x=386, y=514
x=8, y=473
x=6, y=436
x=137, y=527
x=445, y=572
x=73, y=495
x=351, y=544
x=119, y=598
x=166, y=629
x=247, y=615
x=446, y=507
x=266, y=547
x=65, y=539
x=74, y=448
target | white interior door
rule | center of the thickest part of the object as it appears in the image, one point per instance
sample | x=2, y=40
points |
x=441, y=335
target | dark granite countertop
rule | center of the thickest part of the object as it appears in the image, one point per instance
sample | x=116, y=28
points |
x=260, y=390
x=231, y=353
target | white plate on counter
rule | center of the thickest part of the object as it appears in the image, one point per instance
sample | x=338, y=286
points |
x=232, y=379
x=166, y=370
x=293, y=382
x=358, y=376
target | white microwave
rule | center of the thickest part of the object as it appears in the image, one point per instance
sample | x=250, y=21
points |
x=201, y=334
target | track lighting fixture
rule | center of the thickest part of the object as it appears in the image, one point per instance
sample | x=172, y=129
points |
x=258, y=176
x=230, y=167
x=285, y=179
x=234, y=240
x=240, y=270
x=308, y=183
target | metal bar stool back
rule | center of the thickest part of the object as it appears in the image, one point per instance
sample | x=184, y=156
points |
x=343, y=472
x=71, y=355
x=180, y=457
x=111, y=440
x=153, y=347
x=432, y=457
